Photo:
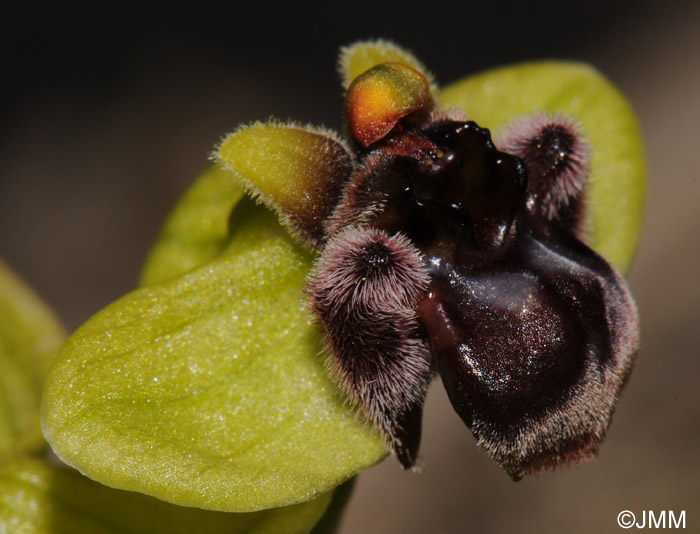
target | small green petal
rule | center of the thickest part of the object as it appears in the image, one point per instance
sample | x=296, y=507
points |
x=615, y=194
x=362, y=56
x=30, y=336
x=198, y=228
x=208, y=389
x=297, y=171
x=38, y=498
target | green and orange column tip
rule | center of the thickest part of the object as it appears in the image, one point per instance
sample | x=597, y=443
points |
x=380, y=97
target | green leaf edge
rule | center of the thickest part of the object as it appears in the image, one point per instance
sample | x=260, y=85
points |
x=31, y=336
x=40, y=498
x=196, y=230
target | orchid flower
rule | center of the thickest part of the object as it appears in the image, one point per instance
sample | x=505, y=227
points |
x=309, y=287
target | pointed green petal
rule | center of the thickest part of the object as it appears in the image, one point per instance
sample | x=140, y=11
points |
x=198, y=228
x=29, y=337
x=208, y=389
x=39, y=498
x=615, y=195
x=297, y=171
x=362, y=56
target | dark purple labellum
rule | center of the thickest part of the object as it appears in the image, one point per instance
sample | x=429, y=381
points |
x=529, y=348
x=445, y=253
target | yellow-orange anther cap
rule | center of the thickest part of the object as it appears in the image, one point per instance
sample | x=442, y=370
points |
x=381, y=96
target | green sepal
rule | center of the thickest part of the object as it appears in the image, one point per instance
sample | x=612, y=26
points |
x=208, y=389
x=332, y=520
x=197, y=230
x=39, y=498
x=363, y=55
x=30, y=336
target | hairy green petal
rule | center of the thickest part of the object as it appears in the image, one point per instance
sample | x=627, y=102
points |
x=362, y=56
x=208, y=389
x=297, y=171
x=197, y=229
x=38, y=498
x=30, y=336
x=615, y=194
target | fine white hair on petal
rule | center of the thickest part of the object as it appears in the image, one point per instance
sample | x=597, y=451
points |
x=364, y=290
x=314, y=163
x=556, y=156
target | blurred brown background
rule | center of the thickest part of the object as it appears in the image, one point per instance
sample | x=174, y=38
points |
x=108, y=115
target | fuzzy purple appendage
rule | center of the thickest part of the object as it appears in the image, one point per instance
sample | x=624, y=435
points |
x=556, y=156
x=364, y=290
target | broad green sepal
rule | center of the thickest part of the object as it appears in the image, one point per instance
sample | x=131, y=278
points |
x=38, y=498
x=362, y=56
x=208, y=389
x=198, y=228
x=615, y=191
x=30, y=336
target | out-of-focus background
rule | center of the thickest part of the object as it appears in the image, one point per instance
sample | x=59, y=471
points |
x=108, y=115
